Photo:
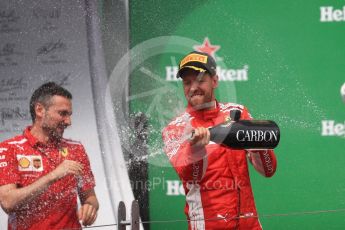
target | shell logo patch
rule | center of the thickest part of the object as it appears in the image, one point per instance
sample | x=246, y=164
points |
x=63, y=152
x=24, y=162
x=30, y=163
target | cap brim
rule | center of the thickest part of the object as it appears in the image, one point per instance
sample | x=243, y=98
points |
x=184, y=68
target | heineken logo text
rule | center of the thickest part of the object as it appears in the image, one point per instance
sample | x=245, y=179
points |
x=257, y=135
x=240, y=74
x=329, y=14
x=331, y=128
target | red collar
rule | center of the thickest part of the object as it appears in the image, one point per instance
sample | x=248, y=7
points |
x=204, y=114
x=33, y=141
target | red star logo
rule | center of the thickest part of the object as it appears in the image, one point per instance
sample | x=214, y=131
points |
x=207, y=47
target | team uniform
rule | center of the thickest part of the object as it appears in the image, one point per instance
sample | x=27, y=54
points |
x=215, y=178
x=23, y=160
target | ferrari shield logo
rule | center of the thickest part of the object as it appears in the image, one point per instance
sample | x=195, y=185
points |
x=227, y=119
x=64, y=152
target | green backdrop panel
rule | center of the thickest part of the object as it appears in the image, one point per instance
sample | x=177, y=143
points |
x=281, y=61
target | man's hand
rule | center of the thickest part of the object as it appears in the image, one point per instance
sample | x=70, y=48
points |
x=12, y=197
x=65, y=168
x=87, y=214
x=200, y=138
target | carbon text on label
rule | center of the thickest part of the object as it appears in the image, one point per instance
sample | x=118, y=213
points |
x=256, y=135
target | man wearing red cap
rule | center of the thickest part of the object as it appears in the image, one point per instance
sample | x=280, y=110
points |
x=215, y=178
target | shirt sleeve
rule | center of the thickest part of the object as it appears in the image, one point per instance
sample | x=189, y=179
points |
x=187, y=161
x=8, y=165
x=245, y=115
x=87, y=179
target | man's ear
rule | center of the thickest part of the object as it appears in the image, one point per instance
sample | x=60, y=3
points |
x=39, y=110
x=215, y=81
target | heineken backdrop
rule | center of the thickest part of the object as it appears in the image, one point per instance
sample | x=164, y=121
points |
x=285, y=61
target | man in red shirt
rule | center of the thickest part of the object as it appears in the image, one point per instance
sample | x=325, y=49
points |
x=42, y=174
x=215, y=178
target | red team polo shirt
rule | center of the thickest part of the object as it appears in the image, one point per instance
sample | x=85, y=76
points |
x=23, y=160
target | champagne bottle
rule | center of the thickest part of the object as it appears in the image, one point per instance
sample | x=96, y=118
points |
x=246, y=134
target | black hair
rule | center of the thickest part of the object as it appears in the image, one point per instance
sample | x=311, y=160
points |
x=44, y=93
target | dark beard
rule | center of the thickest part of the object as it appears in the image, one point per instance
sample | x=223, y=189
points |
x=52, y=133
